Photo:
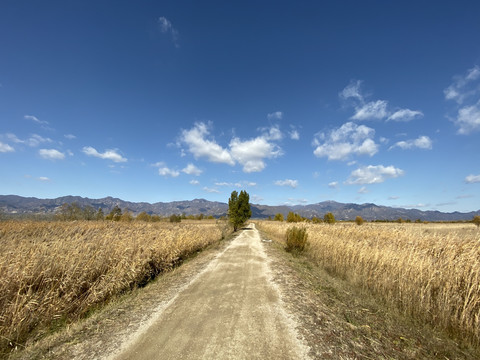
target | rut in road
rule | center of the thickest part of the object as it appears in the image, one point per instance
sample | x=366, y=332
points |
x=231, y=310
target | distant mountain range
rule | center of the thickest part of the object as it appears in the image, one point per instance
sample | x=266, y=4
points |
x=18, y=205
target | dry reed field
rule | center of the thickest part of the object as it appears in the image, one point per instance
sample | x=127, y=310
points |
x=54, y=271
x=429, y=271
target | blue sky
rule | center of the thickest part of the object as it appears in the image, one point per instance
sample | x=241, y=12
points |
x=295, y=102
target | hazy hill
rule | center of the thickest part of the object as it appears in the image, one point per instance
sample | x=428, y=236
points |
x=13, y=204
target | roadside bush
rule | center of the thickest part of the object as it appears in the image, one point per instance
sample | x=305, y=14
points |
x=329, y=218
x=175, y=218
x=358, y=220
x=278, y=217
x=296, y=239
x=476, y=220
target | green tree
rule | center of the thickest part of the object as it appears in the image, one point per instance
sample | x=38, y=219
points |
x=175, y=218
x=476, y=220
x=329, y=218
x=316, y=220
x=293, y=217
x=100, y=215
x=278, y=217
x=115, y=214
x=88, y=213
x=239, y=209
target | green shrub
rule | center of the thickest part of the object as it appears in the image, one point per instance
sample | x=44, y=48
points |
x=329, y=218
x=278, y=217
x=359, y=220
x=175, y=218
x=296, y=239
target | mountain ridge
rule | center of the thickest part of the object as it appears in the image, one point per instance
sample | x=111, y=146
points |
x=15, y=205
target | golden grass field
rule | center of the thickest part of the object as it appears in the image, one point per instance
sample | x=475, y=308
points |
x=54, y=271
x=429, y=271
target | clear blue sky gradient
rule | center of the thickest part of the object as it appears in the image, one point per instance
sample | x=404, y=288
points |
x=295, y=102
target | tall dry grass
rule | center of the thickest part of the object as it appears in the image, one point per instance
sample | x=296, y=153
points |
x=431, y=272
x=53, y=271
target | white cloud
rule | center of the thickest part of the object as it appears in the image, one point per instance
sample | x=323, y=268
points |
x=223, y=184
x=210, y=190
x=165, y=171
x=167, y=28
x=107, y=155
x=349, y=139
x=352, y=91
x=405, y=115
x=70, y=136
x=33, y=141
x=272, y=133
x=35, y=119
x=333, y=184
x=43, y=178
x=471, y=179
x=468, y=119
x=287, y=182
x=277, y=115
x=251, y=153
x=191, y=169
x=422, y=142
x=373, y=174
x=363, y=190
x=36, y=140
x=4, y=148
x=51, y=154
x=201, y=147
x=194, y=182
x=372, y=110
x=465, y=91
x=463, y=87
x=294, y=135
x=393, y=197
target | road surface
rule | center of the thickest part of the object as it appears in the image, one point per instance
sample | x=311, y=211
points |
x=231, y=310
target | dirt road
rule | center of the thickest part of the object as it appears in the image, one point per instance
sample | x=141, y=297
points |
x=232, y=310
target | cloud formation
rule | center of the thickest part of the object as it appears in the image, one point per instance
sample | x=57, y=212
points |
x=374, y=110
x=165, y=171
x=201, y=147
x=251, y=154
x=51, y=154
x=35, y=119
x=471, y=179
x=422, y=142
x=350, y=139
x=107, y=155
x=405, y=115
x=191, y=169
x=373, y=174
x=287, y=182
x=465, y=91
x=4, y=148
x=167, y=28
x=277, y=115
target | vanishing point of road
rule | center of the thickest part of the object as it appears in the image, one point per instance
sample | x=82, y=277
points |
x=231, y=310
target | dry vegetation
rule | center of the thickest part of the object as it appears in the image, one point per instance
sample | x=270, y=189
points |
x=429, y=271
x=51, y=272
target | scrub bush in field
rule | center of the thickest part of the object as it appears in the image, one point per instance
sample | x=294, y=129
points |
x=296, y=239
